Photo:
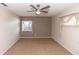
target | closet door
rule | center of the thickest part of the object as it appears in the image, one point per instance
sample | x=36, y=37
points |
x=42, y=29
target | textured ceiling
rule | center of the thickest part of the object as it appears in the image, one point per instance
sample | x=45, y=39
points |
x=55, y=8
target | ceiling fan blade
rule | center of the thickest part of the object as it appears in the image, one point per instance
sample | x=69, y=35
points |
x=4, y=4
x=33, y=7
x=30, y=11
x=45, y=7
x=44, y=11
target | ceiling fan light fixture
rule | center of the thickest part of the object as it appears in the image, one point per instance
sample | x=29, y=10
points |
x=38, y=12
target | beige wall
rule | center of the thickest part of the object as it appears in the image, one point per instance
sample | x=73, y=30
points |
x=9, y=29
x=67, y=36
x=41, y=27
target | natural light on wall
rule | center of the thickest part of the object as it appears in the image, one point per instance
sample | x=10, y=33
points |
x=71, y=20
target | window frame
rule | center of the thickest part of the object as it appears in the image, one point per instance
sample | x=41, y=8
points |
x=22, y=26
x=70, y=17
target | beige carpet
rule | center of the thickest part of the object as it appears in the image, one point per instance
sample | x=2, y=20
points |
x=37, y=47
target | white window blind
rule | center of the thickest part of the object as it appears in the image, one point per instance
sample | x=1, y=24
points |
x=26, y=25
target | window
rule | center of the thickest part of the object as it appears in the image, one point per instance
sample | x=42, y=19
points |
x=26, y=25
x=71, y=20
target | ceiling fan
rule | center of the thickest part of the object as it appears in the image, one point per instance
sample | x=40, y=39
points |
x=4, y=4
x=37, y=10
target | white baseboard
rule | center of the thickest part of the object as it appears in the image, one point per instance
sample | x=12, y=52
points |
x=35, y=37
x=10, y=46
x=64, y=46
